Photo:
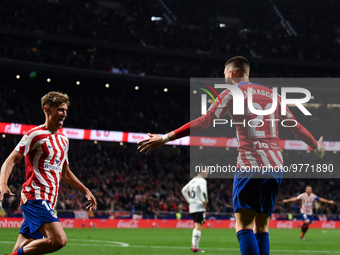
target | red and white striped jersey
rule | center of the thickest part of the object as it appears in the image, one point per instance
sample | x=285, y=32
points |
x=45, y=155
x=307, y=202
x=258, y=135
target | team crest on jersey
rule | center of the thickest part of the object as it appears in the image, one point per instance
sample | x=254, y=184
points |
x=53, y=214
x=24, y=139
x=57, y=161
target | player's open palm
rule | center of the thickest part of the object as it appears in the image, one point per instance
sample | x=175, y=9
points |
x=320, y=150
x=5, y=190
x=153, y=142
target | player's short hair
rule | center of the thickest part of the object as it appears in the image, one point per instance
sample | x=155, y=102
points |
x=54, y=98
x=240, y=65
x=308, y=186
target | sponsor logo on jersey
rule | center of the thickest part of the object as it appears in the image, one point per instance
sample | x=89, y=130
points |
x=48, y=166
x=24, y=140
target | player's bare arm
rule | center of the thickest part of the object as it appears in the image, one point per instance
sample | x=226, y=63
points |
x=293, y=199
x=323, y=200
x=68, y=177
x=6, y=171
x=155, y=141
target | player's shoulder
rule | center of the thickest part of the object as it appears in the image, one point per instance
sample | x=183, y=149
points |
x=246, y=85
x=314, y=195
x=302, y=194
x=38, y=130
x=62, y=135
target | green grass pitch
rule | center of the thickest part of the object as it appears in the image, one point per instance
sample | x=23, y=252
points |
x=178, y=241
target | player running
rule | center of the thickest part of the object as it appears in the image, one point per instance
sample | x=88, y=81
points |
x=307, y=200
x=253, y=198
x=196, y=194
x=46, y=162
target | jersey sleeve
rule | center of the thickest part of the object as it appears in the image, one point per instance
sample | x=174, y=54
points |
x=26, y=144
x=66, y=162
x=299, y=130
x=300, y=196
x=185, y=191
x=219, y=109
x=216, y=110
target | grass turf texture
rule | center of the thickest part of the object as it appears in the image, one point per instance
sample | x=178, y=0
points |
x=178, y=241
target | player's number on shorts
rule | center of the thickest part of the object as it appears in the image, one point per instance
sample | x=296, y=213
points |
x=48, y=207
x=192, y=193
x=258, y=122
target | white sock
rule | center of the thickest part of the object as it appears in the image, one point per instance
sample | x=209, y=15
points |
x=196, y=235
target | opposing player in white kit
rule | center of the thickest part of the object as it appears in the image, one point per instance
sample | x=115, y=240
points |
x=196, y=194
x=46, y=162
x=307, y=200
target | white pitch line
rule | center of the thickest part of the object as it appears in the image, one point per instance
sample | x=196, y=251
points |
x=101, y=241
x=119, y=244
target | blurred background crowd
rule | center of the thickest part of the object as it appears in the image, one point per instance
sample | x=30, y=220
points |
x=139, y=49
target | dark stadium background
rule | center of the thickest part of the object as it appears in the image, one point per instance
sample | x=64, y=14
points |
x=117, y=43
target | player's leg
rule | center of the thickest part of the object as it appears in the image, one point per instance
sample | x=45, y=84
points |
x=245, y=204
x=269, y=189
x=305, y=225
x=196, y=235
x=244, y=230
x=21, y=242
x=261, y=232
x=199, y=219
x=55, y=240
x=24, y=236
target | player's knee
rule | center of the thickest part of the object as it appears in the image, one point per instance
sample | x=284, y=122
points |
x=307, y=221
x=59, y=242
x=198, y=226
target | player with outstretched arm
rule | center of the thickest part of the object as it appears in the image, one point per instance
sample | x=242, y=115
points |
x=253, y=198
x=46, y=162
x=196, y=194
x=307, y=199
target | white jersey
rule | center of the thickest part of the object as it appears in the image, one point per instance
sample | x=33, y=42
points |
x=195, y=192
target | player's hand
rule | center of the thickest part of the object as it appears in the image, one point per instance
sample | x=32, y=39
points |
x=320, y=150
x=205, y=204
x=5, y=190
x=331, y=202
x=92, y=200
x=284, y=201
x=153, y=142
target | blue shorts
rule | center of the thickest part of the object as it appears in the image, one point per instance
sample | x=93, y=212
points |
x=37, y=213
x=258, y=194
x=305, y=217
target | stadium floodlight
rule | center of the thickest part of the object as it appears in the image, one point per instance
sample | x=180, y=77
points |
x=222, y=25
x=153, y=18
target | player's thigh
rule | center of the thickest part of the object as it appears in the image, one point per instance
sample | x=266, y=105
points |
x=21, y=242
x=261, y=222
x=54, y=231
x=244, y=219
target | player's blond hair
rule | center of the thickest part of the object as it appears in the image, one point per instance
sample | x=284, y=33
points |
x=54, y=98
x=240, y=65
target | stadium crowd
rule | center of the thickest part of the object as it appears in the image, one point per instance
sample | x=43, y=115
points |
x=119, y=176
x=195, y=28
